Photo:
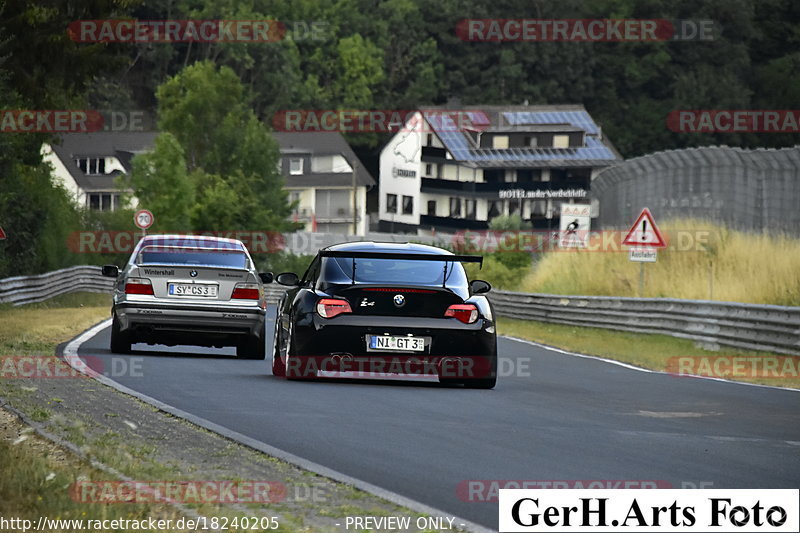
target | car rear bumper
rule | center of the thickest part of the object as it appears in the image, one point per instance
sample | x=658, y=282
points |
x=452, y=348
x=187, y=324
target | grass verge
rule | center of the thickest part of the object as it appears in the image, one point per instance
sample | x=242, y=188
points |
x=657, y=352
x=704, y=261
x=36, y=329
x=136, y=440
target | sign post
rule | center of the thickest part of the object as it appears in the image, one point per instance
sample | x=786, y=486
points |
x=143, y=220
x=576, y=220
x=645, y=239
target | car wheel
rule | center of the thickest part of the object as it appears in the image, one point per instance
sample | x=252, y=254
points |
x=297, y=368
x=253, y=348
x=488, y=382
x=120, y=341
x=278, y=366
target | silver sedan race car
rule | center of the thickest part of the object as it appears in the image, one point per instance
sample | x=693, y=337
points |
x=187, y=289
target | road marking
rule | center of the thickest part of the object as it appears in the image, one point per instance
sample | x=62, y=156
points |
x=639, y=368
x=71, y=356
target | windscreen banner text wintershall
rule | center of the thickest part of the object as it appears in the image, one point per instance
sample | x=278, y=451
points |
x=647, y=510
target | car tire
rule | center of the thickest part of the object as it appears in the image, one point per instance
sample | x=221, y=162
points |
x=297, y=367
x=120, y=341
x=278, y=366
x=484, y=383
x=254, y=348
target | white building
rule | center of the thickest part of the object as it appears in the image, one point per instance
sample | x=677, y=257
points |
x=456, y=169
x=317, y=170
x=318, y=173
x=88, y=164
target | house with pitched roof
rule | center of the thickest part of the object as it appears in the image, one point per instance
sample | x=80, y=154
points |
x=317, y=170
x=326, y=180
x=87, y=164
x=449, y=169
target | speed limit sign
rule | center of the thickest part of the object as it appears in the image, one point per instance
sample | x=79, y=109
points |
x=143, y=219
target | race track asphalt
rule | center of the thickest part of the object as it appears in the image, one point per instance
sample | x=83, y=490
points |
x=556, y=417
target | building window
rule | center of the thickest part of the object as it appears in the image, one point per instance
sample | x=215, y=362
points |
x=469, y=209
x=539, y=208
x=432, y=208
x=495, y=208
x=560, y=141
x=500, y=142
x=455, y=207
x=531, y=142
x=104, y=201
x=408, y=205
x=391, y=203
x=92, y=166
x=428, y=169
x=296, y=166
x=429, y=141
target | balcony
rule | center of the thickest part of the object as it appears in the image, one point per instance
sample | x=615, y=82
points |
x=328, y=215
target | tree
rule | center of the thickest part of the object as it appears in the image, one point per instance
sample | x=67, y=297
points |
x=161, y=184
x=230, y=155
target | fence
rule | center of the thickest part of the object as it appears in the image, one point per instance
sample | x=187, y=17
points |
x=754, y=327
x=30, y=289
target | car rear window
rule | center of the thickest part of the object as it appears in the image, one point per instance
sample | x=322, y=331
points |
x=339, y=270
x=187, y=256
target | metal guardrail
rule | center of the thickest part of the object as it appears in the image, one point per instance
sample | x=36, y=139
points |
x=771, y=328
x=30, y=289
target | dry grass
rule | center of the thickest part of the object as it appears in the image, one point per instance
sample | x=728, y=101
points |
x=702, y=262
x=657, y=352
x=37, y=328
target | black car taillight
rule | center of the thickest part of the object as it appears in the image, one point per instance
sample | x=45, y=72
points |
x=331, y=307
x=466, y=313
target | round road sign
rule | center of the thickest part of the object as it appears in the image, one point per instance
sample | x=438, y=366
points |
x=143, y=219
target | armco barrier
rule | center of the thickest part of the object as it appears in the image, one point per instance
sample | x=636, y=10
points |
x=29, y=289
x=755, y=327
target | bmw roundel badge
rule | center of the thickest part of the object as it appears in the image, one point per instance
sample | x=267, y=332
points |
x=193, y=273
x=399, y=300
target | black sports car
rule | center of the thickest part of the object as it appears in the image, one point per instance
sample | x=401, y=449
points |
x=363, y=308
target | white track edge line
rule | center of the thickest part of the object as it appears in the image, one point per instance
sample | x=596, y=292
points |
x=70, y=354
x=639, y=368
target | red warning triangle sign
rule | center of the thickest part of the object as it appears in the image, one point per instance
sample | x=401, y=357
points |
x=2, y=234
x=644, y=232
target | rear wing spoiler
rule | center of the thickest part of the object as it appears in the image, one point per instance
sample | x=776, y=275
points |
x=402, y=256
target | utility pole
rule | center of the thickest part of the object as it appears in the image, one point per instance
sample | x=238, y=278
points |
x=355, y=196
